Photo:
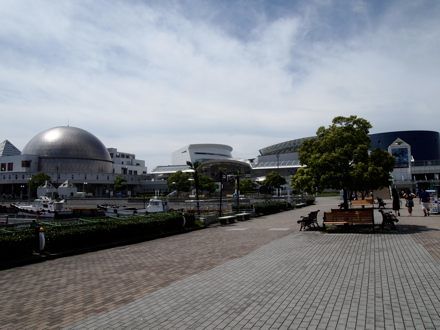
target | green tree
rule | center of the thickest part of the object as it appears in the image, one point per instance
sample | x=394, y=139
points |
x=274, y=181
x=339, y=158
x=247, y=186
x=36, y=181
x=120, y=183
x=180, y=181
x=206, y=183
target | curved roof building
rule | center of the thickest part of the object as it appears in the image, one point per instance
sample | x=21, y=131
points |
x=69, y=149
x=425, y=145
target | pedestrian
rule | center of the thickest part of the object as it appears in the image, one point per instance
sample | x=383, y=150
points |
x=409, y=196
x=396, y=201
x=425, y=198
x=41, y=239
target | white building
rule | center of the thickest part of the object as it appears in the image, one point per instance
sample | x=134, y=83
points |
x=201, y=152
x=67, y=153
x=126, y=163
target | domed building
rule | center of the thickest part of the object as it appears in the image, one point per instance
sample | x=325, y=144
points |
x=69, y=149
x=67, y=154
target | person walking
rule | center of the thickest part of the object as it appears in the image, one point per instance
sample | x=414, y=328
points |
x=425, y=198
x=396, y=201
x=409, y=196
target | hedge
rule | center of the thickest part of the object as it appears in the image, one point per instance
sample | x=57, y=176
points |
x=71, y=236
x=271, y=207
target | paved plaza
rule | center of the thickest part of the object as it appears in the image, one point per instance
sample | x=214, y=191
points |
x=261, y=274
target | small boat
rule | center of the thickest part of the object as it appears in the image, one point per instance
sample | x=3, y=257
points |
x=112, y=210
x=155, y=205
x=43, y=207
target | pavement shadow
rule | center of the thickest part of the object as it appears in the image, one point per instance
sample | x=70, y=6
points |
x=400, y=229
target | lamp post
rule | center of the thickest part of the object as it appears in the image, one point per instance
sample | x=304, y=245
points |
x=84, y=188
x=196, y=184
x=237, y=192
x=21, y=191
x=221, y=192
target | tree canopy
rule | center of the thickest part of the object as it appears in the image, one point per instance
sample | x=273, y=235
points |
x=180, y=181
x=273, y=181
x=339, y=157
x=206, y=183
x=120, y=183
x=247, y=186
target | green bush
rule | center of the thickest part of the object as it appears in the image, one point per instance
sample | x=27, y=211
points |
x=79, y=235
x=271, y=207
x=17, y=244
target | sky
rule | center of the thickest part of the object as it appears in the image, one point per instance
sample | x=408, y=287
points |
x=149, y=77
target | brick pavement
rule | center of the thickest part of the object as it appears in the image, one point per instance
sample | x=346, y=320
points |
x=257, y=274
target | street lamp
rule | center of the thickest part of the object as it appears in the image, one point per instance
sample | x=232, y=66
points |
x=221, y=174
x=21, y=191
x=237, y=192
x=196, y=184
x=29, y=187
x=84, y=188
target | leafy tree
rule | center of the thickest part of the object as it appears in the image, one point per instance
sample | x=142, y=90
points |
x=38, y=180
x=339, y=158
x=247, y=186
x=274, y=181
x=206, y=183
x=180, y=181
x=120, y=183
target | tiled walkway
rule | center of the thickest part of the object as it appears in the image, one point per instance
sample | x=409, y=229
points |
x=261, y=273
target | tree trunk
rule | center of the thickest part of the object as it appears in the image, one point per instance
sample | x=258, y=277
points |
x=345, y=196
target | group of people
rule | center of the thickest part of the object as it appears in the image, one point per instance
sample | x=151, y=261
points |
x=425, y=200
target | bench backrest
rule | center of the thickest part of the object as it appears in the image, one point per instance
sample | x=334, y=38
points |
x=350, y=216
x=313, y=215
x=362, y=202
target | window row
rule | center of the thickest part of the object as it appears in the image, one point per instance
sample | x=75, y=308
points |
x=6, y=167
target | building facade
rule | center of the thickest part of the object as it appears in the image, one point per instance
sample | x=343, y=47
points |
x=67, y=154
x=200, y=152
x=417, y=155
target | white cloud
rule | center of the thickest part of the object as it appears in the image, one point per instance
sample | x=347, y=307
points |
x=149, y=80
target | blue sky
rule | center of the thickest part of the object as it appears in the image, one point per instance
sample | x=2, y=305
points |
x=149, y=77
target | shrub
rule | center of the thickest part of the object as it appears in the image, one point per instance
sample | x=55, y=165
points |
x=270, y=207
x=79, y=235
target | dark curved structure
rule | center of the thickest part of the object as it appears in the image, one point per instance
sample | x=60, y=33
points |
x=425, y=145
x=69, y=150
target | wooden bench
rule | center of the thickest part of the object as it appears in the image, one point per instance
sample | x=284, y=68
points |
x=364, y=216
x=243, y=216
x=362, y=202
x=311, y=220
x=227, y=219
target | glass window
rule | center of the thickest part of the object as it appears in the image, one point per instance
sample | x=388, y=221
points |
x=26, y=163
x=10, y=166
x=3, y=167
x=401, y=156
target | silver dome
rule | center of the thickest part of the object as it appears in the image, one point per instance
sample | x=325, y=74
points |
x=69, y=149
